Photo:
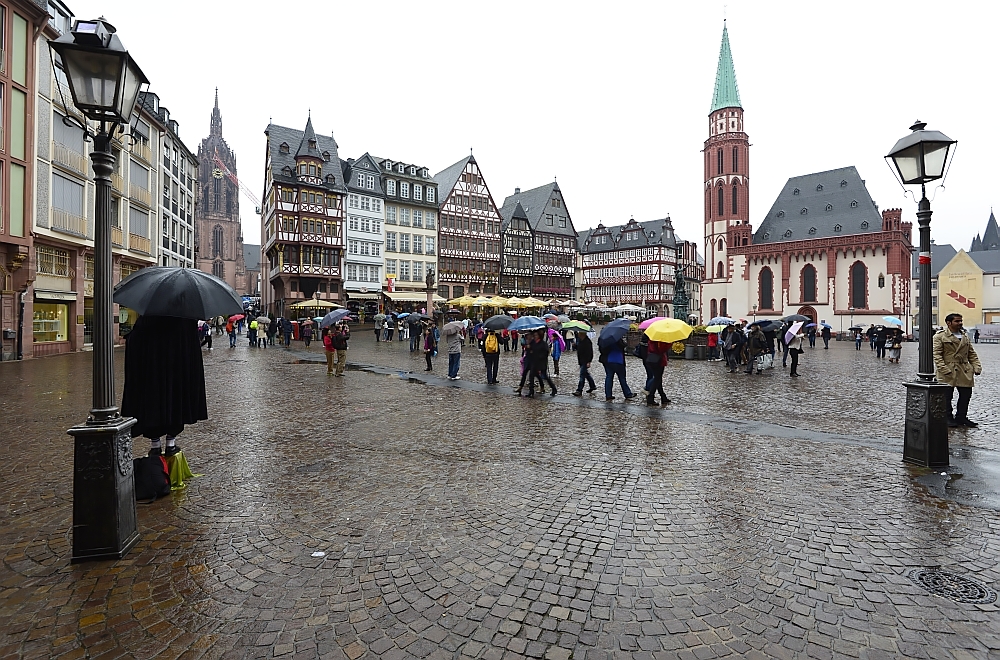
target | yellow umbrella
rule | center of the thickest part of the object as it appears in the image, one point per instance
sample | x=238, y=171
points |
x=307, y=304
x=482, y=301
x=668, y=330
x=464, y=301
x=514, y=301
x=499, y=301
x=533, y=302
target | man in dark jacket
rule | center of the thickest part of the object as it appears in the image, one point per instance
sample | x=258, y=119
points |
x=584, y=356
x=164, y=379
x=757, y=346
x=826, y=337
x=538, y=361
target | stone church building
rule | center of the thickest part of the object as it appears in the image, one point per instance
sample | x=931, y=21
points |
x=218, y=233
x=823, y=249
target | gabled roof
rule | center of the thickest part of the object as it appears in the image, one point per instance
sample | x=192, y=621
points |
x=448, y=177
x=309, y=145
x=650, y=232
x=988, y=260
x=349, y=166
x=290, y=136
x=820, y=205
x=535, y=203
x=727, y=94
x=940, y=256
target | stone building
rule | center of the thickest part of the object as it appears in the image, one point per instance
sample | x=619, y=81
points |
x=302, y=220
x=218, y=232
x=469, y=237
x=823, y=250
x=411, y=233
x=365, y=237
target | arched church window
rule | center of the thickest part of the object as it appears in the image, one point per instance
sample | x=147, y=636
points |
x=217, y=242
x=722, y=201
x=714, y=306
x=766, y=289
x=735, y=195
x=719, y=156
x=719, y=270
x=881, y=281
x=859, y=285
x=809, y=284
x=720, y=245
x=736, y=156
x=219, y=270
x=724, y=307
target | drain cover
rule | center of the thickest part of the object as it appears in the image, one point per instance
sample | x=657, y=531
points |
x=952, y=586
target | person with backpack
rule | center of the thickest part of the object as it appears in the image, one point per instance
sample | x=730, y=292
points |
x=252, y=333
x=231, y=331
x=584, y=356
x=491, y=355
x=206, y=334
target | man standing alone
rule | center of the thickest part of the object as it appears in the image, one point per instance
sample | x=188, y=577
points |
x=956, y=364
x=455, y=341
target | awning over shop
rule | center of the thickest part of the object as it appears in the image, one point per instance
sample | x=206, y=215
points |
x=362, y=296
x=68, y=296
x=406, y=296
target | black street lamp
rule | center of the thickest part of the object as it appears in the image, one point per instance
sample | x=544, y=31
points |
x=922, y=157
x=104, y=81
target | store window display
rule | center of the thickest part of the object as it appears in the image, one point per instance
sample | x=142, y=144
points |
x=49, y=322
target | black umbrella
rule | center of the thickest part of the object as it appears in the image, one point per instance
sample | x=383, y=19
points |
x=179, y=292
x=613, y=332
x=797, y=317
x=498, y=322
x=416, y=318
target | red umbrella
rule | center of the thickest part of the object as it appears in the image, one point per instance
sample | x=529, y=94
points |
x=236, y=317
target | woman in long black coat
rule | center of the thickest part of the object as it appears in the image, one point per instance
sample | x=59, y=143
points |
x=164, y=378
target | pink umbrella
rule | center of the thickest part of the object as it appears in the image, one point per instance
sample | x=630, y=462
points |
x=648, y=322
x=792, y=331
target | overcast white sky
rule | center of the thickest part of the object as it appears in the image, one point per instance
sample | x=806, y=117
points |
x=611, y=99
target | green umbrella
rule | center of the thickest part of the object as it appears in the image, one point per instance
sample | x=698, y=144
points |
x=576, y=325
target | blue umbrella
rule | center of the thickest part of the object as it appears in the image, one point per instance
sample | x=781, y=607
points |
x=614, y=331
x=826, y=325
x=893, y=320
x=333, y=317
x=527, y=323
x=810, y=325
x=720, y=320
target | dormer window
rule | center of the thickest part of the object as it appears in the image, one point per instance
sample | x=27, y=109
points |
x=864, y=225
x=795, y=192
x=854, y=204
x=390, y=187
x=326, y=156
x=767, y=235
x=287, y=171
x=329, y=178
x=781, y=214
x=837, y=228
x=283, y=148
x=399, y=168
x=829, y=207
x=312, y=144
x=388, y=165
x=843, y=183
x=819, y=188
x=803, y=211
x=812, y=230
x=788, y=232
x=413, y=171
x=424, y=173
x=430, y=193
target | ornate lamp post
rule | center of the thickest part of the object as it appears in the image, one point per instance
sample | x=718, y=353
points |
x=429, y=280
x=104, y=81
x=921, y=157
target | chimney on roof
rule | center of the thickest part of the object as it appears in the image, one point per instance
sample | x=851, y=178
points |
x=517, y=191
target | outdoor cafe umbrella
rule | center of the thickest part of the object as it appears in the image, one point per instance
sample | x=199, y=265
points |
x=794, y=330
x=311, y=303
x=452, y=328
x=185, y=293
x=527, y=323
x=614, y=332
x=668, y=330
x=333, y=317
x=498, y=322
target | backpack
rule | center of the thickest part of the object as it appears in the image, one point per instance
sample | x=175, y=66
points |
x=641, y=351
x=152, y=478
x=340, y=342
x=492, y=345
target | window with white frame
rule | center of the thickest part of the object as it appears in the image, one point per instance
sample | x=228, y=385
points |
x=352, y=201
x=366, y=203
x=430, y=194
x=352, y=271
x=361, y=180
x=390, y=241
x=418, y=218
x=390, y=267
x=390, y=215
x=376, y=205
x=418, y=192
x=370, y=181
x=53, y=261
x=404, y=217
x=404, y=270
x=353, y=222
x=404, y=189
x=352, y=247
x=362, y=274
x=429, y=217
x=400, y=168
x=418, y=244
x=429, y=244
x=418, y=271
x=390, y=187
x=376, y=226
x=365, y=224
x=404, y=242
x=376, y=249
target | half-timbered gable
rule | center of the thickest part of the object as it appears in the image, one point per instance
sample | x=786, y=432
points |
x=516, y=260
x=303, y=217
x=469, y=235
x=555, y=239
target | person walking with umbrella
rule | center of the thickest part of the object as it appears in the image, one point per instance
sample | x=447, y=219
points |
x=231, y=331
x=455, y=334
x=584, y=356
x=612, y=346
x=895, y=344
x=812, y=335
x=490, y=347
x=341, y=335
x=756, y=347
x=272, y=330
x=558, y=346
x=881, y=336
x=826, y=336
x=538, y=362
x=794, y=340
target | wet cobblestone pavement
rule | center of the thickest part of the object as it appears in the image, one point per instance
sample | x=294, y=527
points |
x=755, y=517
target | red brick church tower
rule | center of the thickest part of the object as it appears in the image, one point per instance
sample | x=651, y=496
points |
x=218, y=232
x=727, y=194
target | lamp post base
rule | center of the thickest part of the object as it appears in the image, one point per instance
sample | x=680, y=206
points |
x=104, y=518
x=925, y=441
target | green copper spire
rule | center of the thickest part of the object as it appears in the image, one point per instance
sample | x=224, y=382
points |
x=727, y=94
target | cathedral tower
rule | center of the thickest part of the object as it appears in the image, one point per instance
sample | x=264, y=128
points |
x=727, y=152
x=218, y=233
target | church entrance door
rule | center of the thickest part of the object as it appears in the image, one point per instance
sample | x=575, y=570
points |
x=808, y=311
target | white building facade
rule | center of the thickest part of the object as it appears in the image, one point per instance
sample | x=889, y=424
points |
x=365, y=235
x=411, y=230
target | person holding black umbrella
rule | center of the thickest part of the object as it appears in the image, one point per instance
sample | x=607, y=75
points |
x=612, y=357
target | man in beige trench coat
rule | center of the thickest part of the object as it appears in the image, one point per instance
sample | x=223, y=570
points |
x=956, y=364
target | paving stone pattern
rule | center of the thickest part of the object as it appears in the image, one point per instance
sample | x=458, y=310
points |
x=465, y=523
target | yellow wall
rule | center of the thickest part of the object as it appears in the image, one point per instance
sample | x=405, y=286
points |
x=960, y=290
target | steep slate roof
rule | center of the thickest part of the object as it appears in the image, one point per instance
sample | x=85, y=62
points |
x=727, y=94
x=251, y=256
x=535, y=201
x=991, y=237
x=292, y=137
x=306, y=147
x=653, y=232
x=348, y=166
x=940, y=256
x=448, y=177
x=826, y=198
x=977, y=244
x=988, y=260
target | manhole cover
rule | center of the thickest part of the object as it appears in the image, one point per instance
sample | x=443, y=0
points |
x=952, y=586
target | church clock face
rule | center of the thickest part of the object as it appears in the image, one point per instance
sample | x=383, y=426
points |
x=217, y=173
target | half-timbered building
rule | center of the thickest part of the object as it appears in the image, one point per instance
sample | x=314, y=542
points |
x=302, y=219
x=517, y=252
x=365, y=238
x=554, y=237
x=632, y=263
x=469, y=237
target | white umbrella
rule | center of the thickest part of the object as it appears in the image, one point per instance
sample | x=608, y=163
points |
x=792, y=331
x=453, y=328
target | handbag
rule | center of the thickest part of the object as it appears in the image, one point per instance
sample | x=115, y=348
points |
x=651, y=358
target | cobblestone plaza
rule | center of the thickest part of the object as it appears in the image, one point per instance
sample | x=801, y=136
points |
x=756, y=516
